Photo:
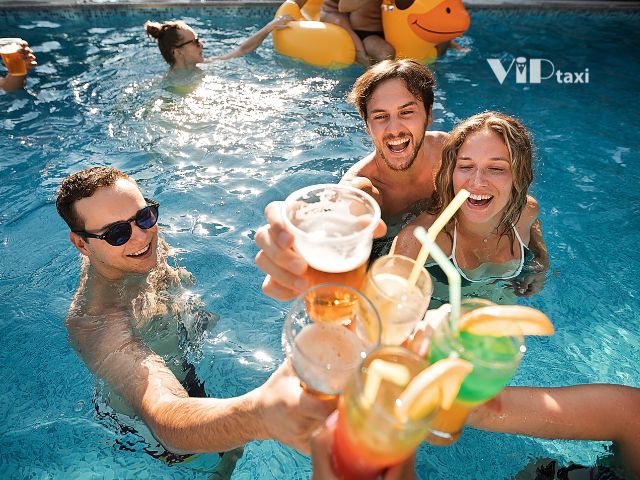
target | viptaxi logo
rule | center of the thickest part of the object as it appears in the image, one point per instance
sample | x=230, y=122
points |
x=535, y=70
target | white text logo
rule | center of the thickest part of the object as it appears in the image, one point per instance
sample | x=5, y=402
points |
x=538, y=69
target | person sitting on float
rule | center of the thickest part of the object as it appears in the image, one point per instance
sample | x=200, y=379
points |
x=369, y=31
x=337, y=12
x=366, y=19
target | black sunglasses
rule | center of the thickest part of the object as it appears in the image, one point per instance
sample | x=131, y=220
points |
x=195, y=40
x=119, y=233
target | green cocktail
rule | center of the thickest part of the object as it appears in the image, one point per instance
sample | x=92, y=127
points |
x=494, y=360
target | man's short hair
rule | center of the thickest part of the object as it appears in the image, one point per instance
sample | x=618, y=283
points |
x=417, y=78
x=83, y=184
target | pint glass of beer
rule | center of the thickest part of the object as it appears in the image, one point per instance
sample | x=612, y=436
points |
x=333, y=231
x=325, y=350
x=10, y=50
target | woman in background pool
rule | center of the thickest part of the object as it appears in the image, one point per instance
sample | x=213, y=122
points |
x=183, y=50
x=488, y=240
x=181, y=47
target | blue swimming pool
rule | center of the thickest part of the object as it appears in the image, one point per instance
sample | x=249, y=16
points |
x=254, y=130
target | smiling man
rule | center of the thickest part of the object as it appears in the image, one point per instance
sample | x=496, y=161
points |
x=128, y=299
x=394, y=98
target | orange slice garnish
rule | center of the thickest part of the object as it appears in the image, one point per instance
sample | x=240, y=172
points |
x=380, y=370
x=436, y=386
x=505, y=321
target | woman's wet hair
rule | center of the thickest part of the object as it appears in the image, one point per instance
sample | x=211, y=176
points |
x=83, y=184
x=167, y=35
x=417, y=78
x=517, y=140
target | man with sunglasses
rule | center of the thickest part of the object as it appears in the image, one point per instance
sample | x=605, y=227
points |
x=115, y=229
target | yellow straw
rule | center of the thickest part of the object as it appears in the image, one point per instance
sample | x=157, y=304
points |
x=452, y=274
x=434, y=230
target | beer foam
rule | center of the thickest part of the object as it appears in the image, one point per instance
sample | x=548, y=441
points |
x=325, y=355
x=321, y=225
x=326, y=245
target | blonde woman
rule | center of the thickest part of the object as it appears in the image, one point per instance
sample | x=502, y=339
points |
x=490, y=237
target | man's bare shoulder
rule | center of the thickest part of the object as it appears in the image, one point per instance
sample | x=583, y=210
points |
x=96, y=292
x=94, y=302
x=437, y=136
x=434, y=143
x=363, y=168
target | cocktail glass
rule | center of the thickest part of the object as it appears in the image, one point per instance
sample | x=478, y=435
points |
x=369, y=436
x=400, y=305
x=333, y=229
x=10, y=50
x=494, y=359
x=324, y=349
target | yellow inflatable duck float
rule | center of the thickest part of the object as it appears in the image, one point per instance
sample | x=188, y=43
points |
x=413, y=27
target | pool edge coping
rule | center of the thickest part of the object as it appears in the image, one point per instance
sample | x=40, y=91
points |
x=584, y=5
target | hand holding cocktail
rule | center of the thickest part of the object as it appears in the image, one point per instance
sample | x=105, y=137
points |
x=321, y=456
x=387, y=409
x=487, y=335
x=493, y=342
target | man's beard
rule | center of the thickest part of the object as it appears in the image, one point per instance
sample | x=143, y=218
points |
x=406, y=166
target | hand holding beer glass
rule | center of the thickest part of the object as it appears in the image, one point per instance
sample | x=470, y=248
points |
x=488, y=336
x=331, y=326
x=333, y=229
x=17, y=56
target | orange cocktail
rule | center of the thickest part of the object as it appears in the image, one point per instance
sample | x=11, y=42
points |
x=369, y=436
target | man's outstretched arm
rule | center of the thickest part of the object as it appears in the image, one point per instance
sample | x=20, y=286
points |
x=278, y=409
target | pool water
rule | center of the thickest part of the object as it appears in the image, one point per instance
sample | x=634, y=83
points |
x=255, y=129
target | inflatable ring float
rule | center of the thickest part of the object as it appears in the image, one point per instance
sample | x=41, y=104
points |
x=413, y=27
x=316, y=43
